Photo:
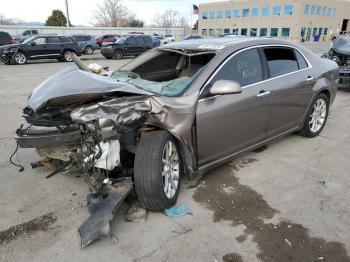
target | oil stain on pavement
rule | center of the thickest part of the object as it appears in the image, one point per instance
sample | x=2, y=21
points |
x=41, y=223
x=221, y=192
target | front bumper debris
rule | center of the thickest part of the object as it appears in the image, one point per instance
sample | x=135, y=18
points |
x=102, y=206
x=344, y=76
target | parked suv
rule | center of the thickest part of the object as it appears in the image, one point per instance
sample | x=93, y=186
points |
x=130, y=45
x=87, y=43
x=40, y=47
x=105, y=39
x=6, y=39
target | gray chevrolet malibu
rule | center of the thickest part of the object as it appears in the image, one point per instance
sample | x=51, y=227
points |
x=183, y=108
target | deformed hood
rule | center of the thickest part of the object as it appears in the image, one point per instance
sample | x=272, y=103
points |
x=70, y=86
x=342, y=46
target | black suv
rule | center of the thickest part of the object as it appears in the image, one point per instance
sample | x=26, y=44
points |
x=40, y=47
x=129, y=45
x=6, y=39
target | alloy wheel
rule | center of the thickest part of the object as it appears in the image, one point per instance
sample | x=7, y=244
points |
x=67, y=56
x=20, y=58
x=318, y=115
x=170, y=173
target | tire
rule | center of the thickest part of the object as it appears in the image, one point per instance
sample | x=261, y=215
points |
x=316, y=117
x=150, y=171
x=19, y=58
x=66, y=56
x=88, y=50
x=109, y=57
x=118, y=54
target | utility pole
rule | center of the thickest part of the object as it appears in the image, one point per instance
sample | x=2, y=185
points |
x=67, y=13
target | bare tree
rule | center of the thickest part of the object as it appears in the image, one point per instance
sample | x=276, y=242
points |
x=170, y=18
x=9, y=21
x=111, y=13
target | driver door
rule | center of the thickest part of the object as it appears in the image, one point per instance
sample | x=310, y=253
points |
x=37, y=47
x=227, y=124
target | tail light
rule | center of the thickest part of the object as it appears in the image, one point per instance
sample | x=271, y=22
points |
x=13, y=41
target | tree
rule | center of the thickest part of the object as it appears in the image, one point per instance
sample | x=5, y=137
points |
x=111, y=13
x=170, y=18
x=133, y=22
x=9, y=21
x=57, y=18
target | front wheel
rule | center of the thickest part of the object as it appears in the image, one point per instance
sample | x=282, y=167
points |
x=317, y=116
x=89, y=50
x=157, y=170
x=20, y=58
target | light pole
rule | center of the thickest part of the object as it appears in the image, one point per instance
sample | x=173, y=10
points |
x=67, y=13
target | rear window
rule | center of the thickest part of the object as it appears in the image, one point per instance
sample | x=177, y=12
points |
x=280, y=61
x=301, y=60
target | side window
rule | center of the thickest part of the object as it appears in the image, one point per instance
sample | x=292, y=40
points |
x=301, y=60
x=40, y=41
x=139, y=41
x=244, y=68
x=53, y=40
x=280, y=61
x=131, y=41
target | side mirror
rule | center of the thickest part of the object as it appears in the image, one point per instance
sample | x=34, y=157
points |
x=224, y=87
x=33, y=44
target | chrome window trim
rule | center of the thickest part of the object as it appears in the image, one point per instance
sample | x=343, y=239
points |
x=309, y=66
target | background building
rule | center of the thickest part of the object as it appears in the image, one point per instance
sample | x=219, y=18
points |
x=297, y=20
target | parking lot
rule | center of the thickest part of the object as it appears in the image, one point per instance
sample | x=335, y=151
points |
x=289, y=201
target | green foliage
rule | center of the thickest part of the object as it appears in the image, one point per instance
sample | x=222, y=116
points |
x=57, y=18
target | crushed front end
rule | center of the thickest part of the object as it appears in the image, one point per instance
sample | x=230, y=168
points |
x=340, y=53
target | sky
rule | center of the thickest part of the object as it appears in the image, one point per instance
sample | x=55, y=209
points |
x=82, y=11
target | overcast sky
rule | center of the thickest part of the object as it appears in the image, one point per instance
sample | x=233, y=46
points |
x=82, y=11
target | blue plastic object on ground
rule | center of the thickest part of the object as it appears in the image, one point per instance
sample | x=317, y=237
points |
x=178, y=211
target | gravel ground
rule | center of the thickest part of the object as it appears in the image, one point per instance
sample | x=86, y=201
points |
x=289, y=201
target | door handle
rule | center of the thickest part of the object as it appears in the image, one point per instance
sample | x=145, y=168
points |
x=309, y=78
x=263, y=93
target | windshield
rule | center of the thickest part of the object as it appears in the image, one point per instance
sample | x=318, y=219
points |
x=28, y=40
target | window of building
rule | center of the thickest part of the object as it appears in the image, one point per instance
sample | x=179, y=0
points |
x=211, y=32
x=228, y=13
x=226, y=31
x=265, y=11
x=333, y=11
x=280, y=61
x=313, y=9
x=204, y=32
x=302, y=32
x=276, y=10
x=253, y=31
x=263, y=31
x=325, y=31
x=244, y=68
x=314, y=32
x=288, y=10
x=285, y=32
x=306, y=9
x=245, y=12
x=329, y=11
x=212, y=14
x=324, y=11
x=236, y=13
x=318, y=10
x=205, y=15
x=302, y=64
x=320, y=31
x=255, y=11
x=235, y=31
x=274, y=32
x=219, y=14
x=244, y=31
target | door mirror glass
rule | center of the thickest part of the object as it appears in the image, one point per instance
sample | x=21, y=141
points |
x=223, y=87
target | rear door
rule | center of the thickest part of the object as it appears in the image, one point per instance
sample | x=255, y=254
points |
x=54, y=44
x=290, y=85
x=227, y=124
x=130, y=46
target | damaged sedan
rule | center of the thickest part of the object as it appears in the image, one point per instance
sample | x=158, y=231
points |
x=183, y=108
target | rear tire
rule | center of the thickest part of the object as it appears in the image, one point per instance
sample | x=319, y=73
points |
x=88, y=50
x=67, y=57
x=316, y=117
x=157, y=170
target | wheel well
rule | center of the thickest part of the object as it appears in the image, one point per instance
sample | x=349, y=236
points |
x=326, y=92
